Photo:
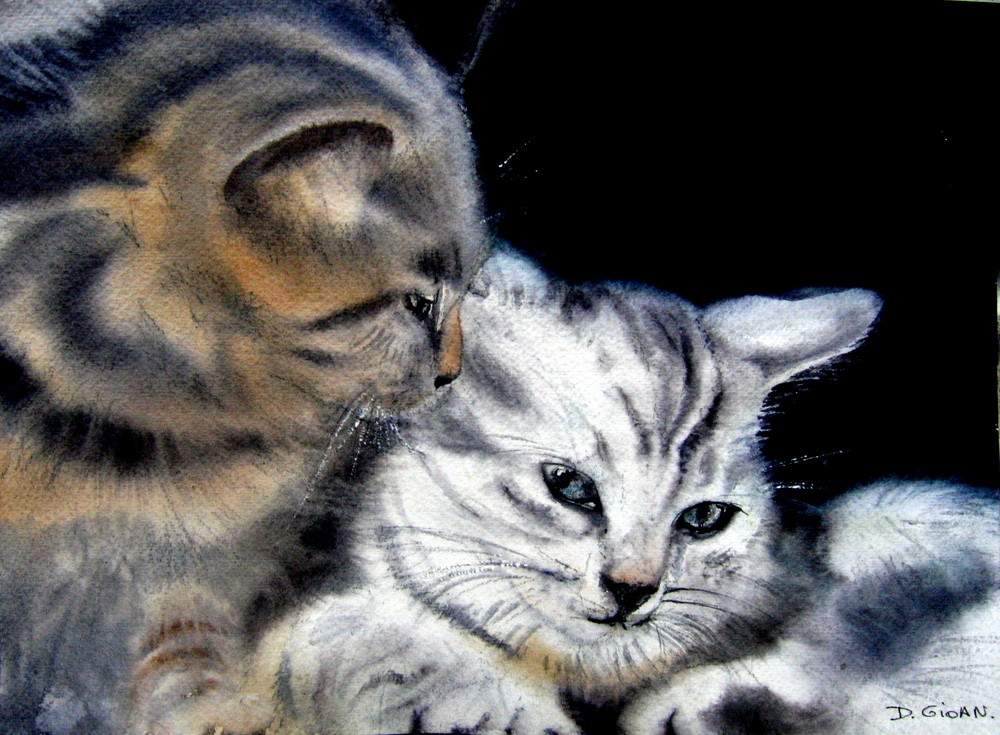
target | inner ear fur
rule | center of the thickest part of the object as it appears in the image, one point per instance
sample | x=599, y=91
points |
x=784, y=337
x=321, y=173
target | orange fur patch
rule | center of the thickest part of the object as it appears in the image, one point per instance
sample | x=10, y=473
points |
x=209, y=499
x=450, y=364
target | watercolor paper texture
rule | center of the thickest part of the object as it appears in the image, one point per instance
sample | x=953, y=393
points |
x=493, y=367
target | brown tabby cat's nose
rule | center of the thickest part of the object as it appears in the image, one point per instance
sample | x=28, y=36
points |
x=450, y=363
x=630, y=597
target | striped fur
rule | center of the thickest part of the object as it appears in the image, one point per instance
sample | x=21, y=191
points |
x=901, y=632
x=228, y=231
x=489, y=596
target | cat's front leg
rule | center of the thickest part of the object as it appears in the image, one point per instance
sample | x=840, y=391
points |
x=189, y=671
x=343, y=669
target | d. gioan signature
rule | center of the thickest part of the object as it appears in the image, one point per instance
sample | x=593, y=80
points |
x=949, y=712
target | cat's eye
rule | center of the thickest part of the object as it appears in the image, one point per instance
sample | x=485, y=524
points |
x=418, y=305
x=571, y=486
x=706, y=519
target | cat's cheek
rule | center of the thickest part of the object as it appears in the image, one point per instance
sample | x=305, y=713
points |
x=403, y=376
x=710, y=562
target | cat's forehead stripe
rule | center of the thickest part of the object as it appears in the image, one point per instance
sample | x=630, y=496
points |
x=492, y=379
x=693, y=387
x=603, y=450
x=441, y=264
x=700, y=393
x=643, y=432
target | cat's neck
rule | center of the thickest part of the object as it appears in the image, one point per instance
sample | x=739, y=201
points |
x=39, y=489
x=153, y=458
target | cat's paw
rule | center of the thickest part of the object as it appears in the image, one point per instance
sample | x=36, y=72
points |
x=493, y=712
x=197, y=702
x=187, y=681
x=665, y=710
x=721, y=700
x=456, y=700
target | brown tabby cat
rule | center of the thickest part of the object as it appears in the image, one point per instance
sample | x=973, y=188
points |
x=228, y=231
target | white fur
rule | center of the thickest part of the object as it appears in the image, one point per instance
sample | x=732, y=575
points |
x=876, y=534
x=484, y=592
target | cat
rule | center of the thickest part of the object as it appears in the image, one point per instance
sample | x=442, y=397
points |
x=585, y=519
x=230, y=233
x=905, y=632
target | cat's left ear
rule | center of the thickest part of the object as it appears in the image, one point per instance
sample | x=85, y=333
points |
x=319, y=173
x=783, y=337
x=510, y=276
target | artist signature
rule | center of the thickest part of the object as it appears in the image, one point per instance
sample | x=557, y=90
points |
x=940, y=709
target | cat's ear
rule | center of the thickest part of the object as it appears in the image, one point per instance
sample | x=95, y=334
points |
x=322, y=173
x=783, y=337
x=510, y=277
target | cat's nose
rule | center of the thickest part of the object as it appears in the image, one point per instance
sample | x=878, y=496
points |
x=442, y=380
x=630, y=596
x=450, y=362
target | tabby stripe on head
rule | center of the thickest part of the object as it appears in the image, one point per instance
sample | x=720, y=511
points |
x=699, y=380
x=699, y=383
x=701, y=430
x=352, y=314
x=643, y=432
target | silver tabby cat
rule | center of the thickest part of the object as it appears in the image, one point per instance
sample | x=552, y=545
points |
x=586, y=517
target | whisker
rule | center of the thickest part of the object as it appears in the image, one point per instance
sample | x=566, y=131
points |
x=661, y=633
x=470, y=568
x=332, y=449
x=699, y=604
x=775, y=589
x=809, y=458
x=732, y=615
x=440, y=588
x=700, y=635
x=448, y=536
x=741, y=600
x=674, y=633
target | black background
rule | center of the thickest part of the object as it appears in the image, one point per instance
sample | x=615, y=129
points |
x=717, y=151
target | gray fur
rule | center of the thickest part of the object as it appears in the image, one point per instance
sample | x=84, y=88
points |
x=488, y=600
x=174, y=427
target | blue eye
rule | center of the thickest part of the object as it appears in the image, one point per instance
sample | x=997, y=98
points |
x=705, y=519
x=571, y=486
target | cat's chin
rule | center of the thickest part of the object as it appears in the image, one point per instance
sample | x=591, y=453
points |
x=600, y=660
x=595, y=630
x=378, y=401
x=404, y=398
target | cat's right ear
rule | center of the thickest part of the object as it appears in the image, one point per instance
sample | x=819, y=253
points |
x=322, y=173
x=784, y=337
x=510, y=276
